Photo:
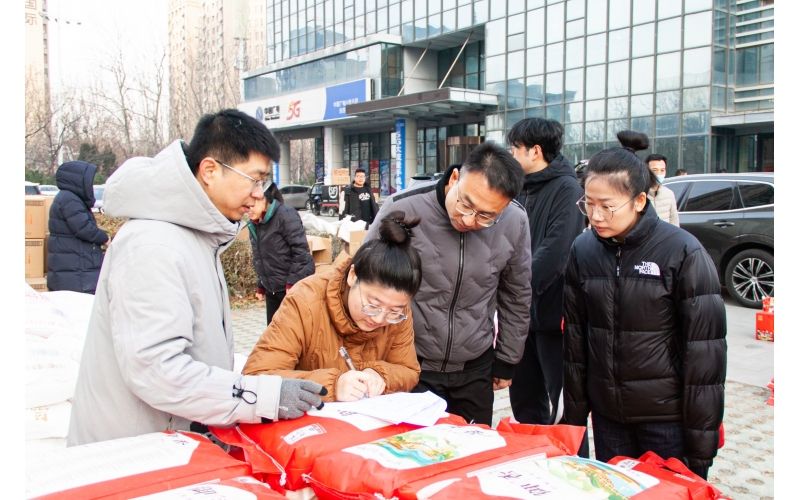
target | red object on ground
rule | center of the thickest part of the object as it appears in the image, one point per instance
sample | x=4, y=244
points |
x=130, y=467
x=671, y=472
x=281, y=452
x=240, y=487
x=401, y=465
x=765, y=326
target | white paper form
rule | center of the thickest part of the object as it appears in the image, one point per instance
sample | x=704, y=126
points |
x=422, y=409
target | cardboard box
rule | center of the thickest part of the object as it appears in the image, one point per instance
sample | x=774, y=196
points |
x=356, y=240
x=34, y=258
x=38, y=284
x=340, y=176
x=36, y=215
x=765, y=326
x=44, y=256
x=321, y=268
x=320, y=249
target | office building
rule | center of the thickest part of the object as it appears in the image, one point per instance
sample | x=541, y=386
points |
x=405, y=86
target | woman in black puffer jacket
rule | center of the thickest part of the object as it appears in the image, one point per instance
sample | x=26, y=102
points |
x=645, y=326
x=281, y=256
x=74, y=255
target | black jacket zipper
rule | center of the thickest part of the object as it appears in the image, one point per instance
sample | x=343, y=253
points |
x=452, y=311
x=616, y=330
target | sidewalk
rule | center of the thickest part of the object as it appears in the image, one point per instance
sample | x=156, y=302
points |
x=744, y=467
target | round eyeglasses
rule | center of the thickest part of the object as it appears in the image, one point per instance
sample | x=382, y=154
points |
x=372, y=310
x=606, y=212
x=259, y=186
x=466, y=210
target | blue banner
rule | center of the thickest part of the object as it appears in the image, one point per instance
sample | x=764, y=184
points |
x=276, y=173
x=386, y=188
x=338, y=97
x=400, y=154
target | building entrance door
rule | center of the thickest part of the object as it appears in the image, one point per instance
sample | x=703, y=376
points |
x=766, y=152
x=458, y=148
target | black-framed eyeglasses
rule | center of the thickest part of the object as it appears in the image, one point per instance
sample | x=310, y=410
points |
x=466, y=210
x=606, y=212
x=259, y=186
x=373, y=310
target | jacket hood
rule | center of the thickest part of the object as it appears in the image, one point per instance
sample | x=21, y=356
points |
x=560, y=166
x=77, y=177
x=164, y=189
x=337, y=295
x=640, y=232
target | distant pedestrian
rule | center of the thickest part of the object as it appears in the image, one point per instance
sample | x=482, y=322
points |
x=645, y=325
x=549, y=196
x=662, y=197
x=74, y=255
x=680, y=172
x=281, y=256
x=359, y=202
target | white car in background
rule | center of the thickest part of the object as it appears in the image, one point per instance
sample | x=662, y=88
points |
x=98, y=197
x=49, y=189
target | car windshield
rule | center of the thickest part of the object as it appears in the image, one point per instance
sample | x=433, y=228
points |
x=316, y=189
x=31, y=190
x=98, y=192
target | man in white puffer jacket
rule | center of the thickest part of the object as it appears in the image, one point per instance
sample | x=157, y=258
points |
x=662, y=197
x=159, y=347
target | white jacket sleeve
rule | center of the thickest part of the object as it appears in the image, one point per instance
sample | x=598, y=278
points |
x=152, y=325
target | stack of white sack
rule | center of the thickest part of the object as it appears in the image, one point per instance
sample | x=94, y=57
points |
x=310, y=221
x=55, y=331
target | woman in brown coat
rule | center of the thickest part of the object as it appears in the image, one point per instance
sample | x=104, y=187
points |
x=362, y=305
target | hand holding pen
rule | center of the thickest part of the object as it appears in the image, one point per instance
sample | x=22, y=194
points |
x=354, y=384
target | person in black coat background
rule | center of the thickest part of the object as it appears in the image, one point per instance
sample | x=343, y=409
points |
x=645, y=325
x=281, y=256
x=549, y=195
x=74, y=255
x=359, y=202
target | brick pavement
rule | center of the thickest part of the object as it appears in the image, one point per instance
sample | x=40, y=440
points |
x=744, y=468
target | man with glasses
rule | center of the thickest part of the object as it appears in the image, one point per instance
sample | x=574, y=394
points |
x=474, y=243
x=549, y=194
x=159, y=349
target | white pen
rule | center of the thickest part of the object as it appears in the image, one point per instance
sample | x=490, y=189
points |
x=349, y=361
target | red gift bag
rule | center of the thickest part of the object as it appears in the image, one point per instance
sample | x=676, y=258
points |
x=129, y=467
x=236, y=488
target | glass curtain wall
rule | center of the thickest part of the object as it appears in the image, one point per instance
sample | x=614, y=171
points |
x=468, y=71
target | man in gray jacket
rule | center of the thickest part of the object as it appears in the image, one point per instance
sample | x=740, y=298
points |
x=159, y=349
x=476, y=258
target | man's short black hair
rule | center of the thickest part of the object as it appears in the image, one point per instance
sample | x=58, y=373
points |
x=547, y=134
x=360, y=171
x=501, y=170
x=655, y=157
x=680, y=171
x=230, y=136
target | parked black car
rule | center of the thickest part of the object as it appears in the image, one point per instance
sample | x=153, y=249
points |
x=733, y=216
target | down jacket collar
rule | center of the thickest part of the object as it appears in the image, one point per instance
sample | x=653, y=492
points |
x=338, y=292
x=77, y=177
x=640, y=232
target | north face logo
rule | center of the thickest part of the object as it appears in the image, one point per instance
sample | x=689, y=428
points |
x=650, y=268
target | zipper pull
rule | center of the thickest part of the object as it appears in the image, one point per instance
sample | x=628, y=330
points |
x=619, y=251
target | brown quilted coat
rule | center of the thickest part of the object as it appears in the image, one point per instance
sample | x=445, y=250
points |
x=311, y=325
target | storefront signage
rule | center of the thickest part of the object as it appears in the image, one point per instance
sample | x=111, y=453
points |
x=400, y=153
x=309, y=107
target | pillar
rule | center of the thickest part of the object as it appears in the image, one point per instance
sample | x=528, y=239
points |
x=333, y=151
x=407, y=149
x=283, y=175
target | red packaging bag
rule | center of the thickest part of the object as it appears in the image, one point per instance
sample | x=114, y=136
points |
x=670, y=472
x=382, y=467
x=129, y=467
x=294, y=445
x=569, y=435
x=239, y=488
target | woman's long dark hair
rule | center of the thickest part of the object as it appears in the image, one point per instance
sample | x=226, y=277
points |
x=272, y=193
x=390, y=261
x=621, y=168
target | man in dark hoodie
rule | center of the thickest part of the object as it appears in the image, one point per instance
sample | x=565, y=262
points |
x=74, y=255
x=358, y=199
x=549, y=195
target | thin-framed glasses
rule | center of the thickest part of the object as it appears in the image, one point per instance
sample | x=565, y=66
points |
x=259, y=186
x=373, y=310
x=606, y=212
x=466, y=210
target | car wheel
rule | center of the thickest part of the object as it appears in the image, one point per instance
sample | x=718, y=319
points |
x=332, y=212
x=307, y=206
x=750, y=277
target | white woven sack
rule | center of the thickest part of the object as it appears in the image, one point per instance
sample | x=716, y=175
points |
x=39, y=447
x=51, y=421
x=50, y=375
x=42, y=316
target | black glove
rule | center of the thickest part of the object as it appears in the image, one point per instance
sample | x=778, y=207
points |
x=298, y=396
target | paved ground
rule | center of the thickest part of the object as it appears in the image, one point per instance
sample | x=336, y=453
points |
x=744, y=468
